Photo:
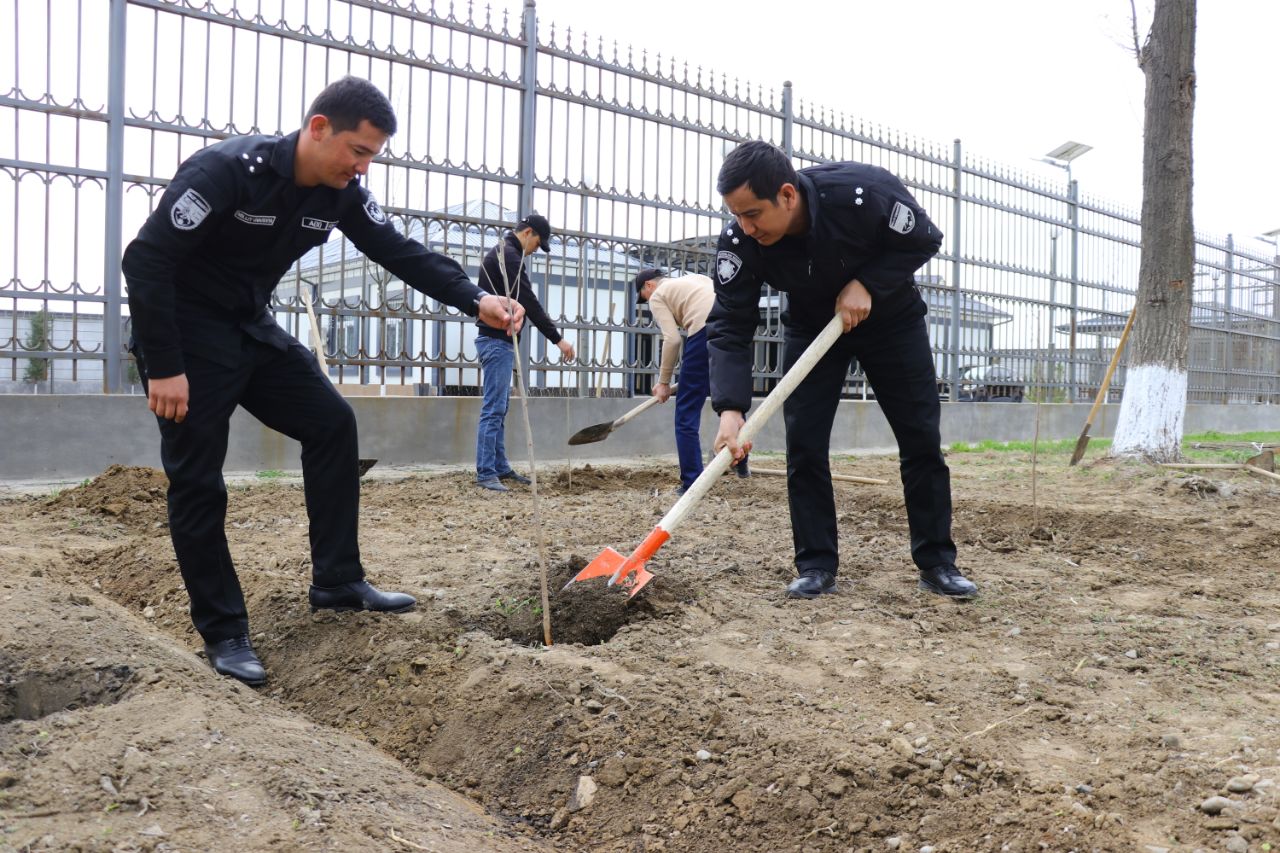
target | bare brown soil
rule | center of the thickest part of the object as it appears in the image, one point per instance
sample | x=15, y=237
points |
x=1121, y=667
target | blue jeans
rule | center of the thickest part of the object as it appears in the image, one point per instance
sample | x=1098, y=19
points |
x=695, y=387
x=497, y=359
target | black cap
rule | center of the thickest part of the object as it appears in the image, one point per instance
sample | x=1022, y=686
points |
x=540, y=226
x=644, y=278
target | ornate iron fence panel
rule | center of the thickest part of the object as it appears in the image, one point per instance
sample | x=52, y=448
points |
x=501, y=115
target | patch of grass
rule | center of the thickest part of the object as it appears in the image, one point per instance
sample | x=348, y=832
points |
x=1239, y=454
x=269, y=474
x=1064, y=445
x=511, y=607
x=1260, y=437
x=1101, y=445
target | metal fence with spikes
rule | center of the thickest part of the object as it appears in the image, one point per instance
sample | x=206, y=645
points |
x=501, y=114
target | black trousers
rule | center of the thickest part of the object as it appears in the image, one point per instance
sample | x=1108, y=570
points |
x=287, y=392
x=899, y=368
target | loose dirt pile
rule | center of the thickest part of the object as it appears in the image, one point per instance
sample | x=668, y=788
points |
x=1121, y=670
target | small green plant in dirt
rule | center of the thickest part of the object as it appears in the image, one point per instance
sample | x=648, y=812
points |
x=511, y=606
x=269, y=474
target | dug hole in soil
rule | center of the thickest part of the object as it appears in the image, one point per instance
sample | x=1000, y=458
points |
x=1116, y=687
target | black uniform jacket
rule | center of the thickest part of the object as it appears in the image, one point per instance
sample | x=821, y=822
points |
x=863, y=224
x=229, y=226
x=517, y=280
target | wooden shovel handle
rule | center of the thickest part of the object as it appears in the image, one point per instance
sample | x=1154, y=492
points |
x=316, y=344
x=643, y=407
x=711, y=474
x=1111, y=368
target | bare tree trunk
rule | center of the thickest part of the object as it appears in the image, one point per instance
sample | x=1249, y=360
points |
x=1155, y=395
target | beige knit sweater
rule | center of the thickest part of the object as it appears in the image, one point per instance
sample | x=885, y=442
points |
x=679, y=303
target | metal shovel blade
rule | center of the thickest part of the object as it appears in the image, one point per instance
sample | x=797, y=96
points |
x=592, y=434
x=629, y=572
x=599, y=432
x=1082, y=444
x=365, y=465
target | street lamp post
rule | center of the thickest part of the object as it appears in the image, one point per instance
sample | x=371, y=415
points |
x=1061, y=157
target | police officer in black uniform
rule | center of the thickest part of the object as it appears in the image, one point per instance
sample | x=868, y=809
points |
x=847, y=238
x=201, y=272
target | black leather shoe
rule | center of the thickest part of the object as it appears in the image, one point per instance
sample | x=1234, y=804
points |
x=947, y=580
x=235, y=657
x=492, y=485
x=359, y=595
x=743, y=469
x=811, y=584
x=513, y=477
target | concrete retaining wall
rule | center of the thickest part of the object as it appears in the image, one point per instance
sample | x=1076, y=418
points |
x=57, y=437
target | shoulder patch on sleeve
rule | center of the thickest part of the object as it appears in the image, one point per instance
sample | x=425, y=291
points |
x=727, y=266
x=901, y=219
x=373, y=211
x=189, y=211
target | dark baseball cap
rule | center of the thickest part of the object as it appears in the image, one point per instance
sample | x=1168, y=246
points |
x=540, y=226
x=644, y=278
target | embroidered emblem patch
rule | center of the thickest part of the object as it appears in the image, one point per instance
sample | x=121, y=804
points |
x=727, y=266
x=189, y=211
x=375, y=213
x=901, y=219
x=317, y=224
x=253, y=219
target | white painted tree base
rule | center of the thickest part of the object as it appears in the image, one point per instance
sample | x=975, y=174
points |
x=1152, y=413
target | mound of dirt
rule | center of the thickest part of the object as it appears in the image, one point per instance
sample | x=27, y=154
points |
x=135, y=496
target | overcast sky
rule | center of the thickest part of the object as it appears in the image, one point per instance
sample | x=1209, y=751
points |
x=1011, y=78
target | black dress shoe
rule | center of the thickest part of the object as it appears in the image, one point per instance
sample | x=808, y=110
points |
x=743, y=469
x=811, y=584
x=235, y=657
x=359, y=595
x=513, y=477
x=947, y=580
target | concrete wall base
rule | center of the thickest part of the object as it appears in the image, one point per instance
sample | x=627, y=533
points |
x=67, y=437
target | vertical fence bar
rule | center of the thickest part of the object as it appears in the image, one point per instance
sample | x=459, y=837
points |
x=113, y=236
x=1229, y=342
x=956, y=187
x=529, y=96
x=788, y=120
x=1073, y=216
x=1053, y=307
x=788, y=145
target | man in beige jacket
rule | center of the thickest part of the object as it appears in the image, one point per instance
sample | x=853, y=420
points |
x=681, y=304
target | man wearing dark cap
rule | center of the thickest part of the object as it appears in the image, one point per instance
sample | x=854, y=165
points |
x=201, y=273
x=503, y=273
x=680, y=304
x=847, y=239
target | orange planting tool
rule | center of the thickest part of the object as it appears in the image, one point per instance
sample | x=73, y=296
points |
x=630, y=571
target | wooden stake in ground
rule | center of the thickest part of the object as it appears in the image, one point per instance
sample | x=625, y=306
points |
x=1035, y=439
x=533, y=464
